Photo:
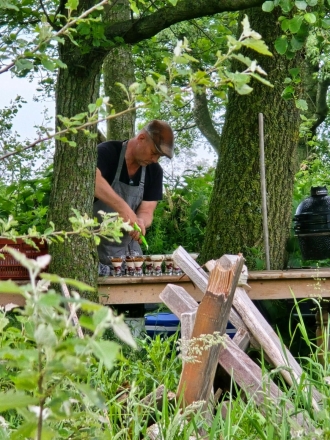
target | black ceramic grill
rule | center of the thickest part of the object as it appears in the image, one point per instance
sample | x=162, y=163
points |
x=312, y=225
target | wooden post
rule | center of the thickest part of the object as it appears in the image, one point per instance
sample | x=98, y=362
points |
x=212, y=315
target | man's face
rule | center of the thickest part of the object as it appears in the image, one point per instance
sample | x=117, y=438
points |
x=148, y=152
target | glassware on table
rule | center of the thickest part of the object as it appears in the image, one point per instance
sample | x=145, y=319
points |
x=117, y=264
x=148, y=266
x=176, y=269
x=168, y=264
x=130, y=266
x=157, y=261
x=138, y=263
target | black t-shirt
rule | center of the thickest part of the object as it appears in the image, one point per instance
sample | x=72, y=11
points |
x=107, y=162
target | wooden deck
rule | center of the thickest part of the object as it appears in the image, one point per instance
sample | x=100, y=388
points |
x=273, y=284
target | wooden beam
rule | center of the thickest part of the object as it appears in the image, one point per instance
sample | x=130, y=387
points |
x=211, y=317
x=128, y=290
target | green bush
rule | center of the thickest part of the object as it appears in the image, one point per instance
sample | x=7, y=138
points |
x=181, y=217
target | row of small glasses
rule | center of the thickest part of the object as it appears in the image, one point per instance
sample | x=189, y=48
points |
x=146, y=264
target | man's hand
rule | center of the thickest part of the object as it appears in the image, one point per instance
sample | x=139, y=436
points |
x=136, y=234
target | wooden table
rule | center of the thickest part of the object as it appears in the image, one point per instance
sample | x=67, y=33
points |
x=272, y=284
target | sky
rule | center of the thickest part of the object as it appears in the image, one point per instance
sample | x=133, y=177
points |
x=32, y=113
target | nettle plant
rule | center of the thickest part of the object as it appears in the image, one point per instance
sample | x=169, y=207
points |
x=46, y=390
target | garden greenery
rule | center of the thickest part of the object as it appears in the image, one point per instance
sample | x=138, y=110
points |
x=56, y=385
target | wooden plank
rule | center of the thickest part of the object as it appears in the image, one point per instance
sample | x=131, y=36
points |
x=248, y=375
x=322, y=272
x=142, y=293
x=178, y=300
x=12, y=298
x=242, y=339
x=190, y=266
x=305, y=283
x=284, y=288
x=268, y=340
x=200, y=278
x=197, y=377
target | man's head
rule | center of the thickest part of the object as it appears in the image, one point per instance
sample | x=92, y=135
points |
x=162, y=136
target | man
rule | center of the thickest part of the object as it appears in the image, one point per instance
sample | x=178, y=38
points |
x=129, y=181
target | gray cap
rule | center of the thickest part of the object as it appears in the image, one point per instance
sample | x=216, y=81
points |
x=162, y=135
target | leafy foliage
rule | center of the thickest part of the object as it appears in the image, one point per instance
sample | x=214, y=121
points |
x=181, y=217
x=27, y=201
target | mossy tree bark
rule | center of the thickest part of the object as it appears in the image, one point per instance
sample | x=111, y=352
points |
x=235, y=220
x=74, y=168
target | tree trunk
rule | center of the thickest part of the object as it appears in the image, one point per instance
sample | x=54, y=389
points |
x=118, y=67
x=235, y=221
x=74, y=168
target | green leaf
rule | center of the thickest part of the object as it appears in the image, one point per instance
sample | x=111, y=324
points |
x=134, y=8
x=87, y=322
x=99, y=102
x=302, y=5
x=10, y=287
x=296, y=44
x=105, y=351
x=45, y=336
x=26, y=380
x=123, y=332
x=288, y=92
x=56, y=279
x=91, y=108
x=50, y=300
x=243, y=89
x=80, y=116
x=5, y=4
x=281, y=44
x=301, y=104
x=285, y=24
x=3, y=323
x=310, y=18
x=312, y=2
x=268, y=6
x=92, y=395
x=295, y=72
x=295, y=23
x=13, y=400
x=72, y=4
x=257, y=45
x=286, y=5
x=23, y=64
x=326, y=23
x=48, y=64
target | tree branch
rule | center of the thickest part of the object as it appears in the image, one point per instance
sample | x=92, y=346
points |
x=67, y=130
x=60, y=32
x=204, y=121
x=322, y=108
x=148, y=26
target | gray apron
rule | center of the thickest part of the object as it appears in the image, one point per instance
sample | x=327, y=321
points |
x=133, y=196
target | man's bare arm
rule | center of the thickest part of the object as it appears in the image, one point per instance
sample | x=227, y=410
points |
x=145, y=214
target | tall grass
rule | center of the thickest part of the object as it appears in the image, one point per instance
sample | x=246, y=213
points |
x=156, y=362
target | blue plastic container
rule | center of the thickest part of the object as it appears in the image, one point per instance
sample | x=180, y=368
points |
x=168, y=324
x=161, y=323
